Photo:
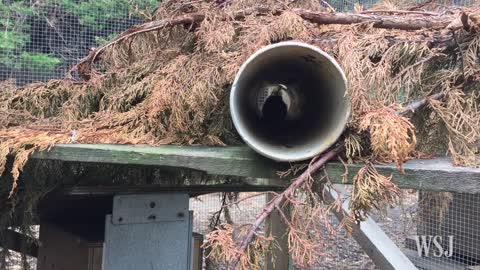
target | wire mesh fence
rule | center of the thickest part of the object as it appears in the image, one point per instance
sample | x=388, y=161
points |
x=436, y=230
x=43, y=39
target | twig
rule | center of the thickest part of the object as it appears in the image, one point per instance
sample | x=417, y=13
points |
x=419, y=103
x=138, y=29
x=277, y=201
x=421, y=62
x=236, y=202
x=217, y=215
x=426, y=13
x=421, y=5
x=462, y=57
x=85, y=65
x=332, y=9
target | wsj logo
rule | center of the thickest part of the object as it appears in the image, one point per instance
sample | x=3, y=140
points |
x=429, y=245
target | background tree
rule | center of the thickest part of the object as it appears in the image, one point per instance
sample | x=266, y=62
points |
x=41, y=39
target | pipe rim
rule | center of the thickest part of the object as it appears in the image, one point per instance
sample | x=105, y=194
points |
x=251, y=143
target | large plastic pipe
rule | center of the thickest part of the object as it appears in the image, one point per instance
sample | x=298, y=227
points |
x=288, y=101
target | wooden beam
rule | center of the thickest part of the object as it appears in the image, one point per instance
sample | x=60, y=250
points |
x=428, y=174
x=378, y=246
x=230, y=161
x=432, y=175
x=19, y=242
x=278, y=257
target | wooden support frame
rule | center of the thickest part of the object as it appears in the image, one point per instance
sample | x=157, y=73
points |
x=251, y=170
x=378, y=246
x=368, y=235
x=277, y=258
x=61, y=249
x=431, y=175
x=19, y=242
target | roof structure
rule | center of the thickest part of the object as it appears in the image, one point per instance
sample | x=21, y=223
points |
x=192, y=168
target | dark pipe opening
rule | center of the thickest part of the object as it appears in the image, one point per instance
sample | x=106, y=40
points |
x=273, y=122
x=289, y=103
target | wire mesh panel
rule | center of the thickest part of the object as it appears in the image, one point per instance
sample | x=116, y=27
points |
x=448, y=227
x=342, y=252
x=348, y=5
x=436, y=230
x=41, y=40
x=339, y=251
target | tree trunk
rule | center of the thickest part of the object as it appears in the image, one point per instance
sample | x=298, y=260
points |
x=379, y=21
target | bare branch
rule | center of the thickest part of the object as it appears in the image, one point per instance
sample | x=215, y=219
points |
x=378, y=21
x=316, y=164
x=426, y=13
x=277, y=201
x=421, y=5
x=419, y=103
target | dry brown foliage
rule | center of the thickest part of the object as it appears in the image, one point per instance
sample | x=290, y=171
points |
x=306, y=239
x=223, y=245
x=434, y=206
x=371, y=190
x=171, y=86
x=305, y=212
x=23, y=146
x=392, y=136
x=353, y=147
x=461, y=115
